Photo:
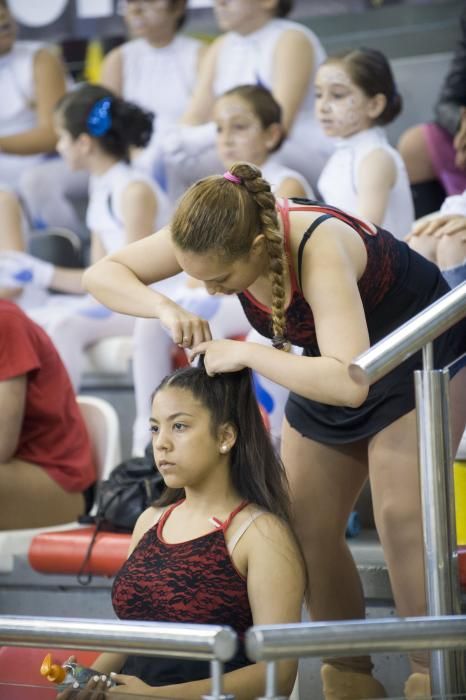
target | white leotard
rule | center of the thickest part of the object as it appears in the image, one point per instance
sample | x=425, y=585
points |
x=275, y=173
x=104, y=211
x=338, y=183
x=160, y=79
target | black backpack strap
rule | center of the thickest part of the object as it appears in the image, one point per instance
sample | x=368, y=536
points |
x=307, y=234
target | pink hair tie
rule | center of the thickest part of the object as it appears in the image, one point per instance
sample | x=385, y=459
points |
x=233, y=178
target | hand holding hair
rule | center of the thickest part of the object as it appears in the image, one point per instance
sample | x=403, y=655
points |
x=185, y=328
x=221, y=356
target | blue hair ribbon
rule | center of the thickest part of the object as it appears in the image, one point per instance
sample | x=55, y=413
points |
x=99, y=120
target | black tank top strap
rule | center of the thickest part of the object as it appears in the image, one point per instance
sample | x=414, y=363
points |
x=307, y=234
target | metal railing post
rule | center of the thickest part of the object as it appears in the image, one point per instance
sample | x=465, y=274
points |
x=271, y=683
x=216, y=676
x=438, y=511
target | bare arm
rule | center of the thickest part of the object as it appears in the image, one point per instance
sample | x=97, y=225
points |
x=333, y=261
x=290, y=188
x=112, y=71
x=12, y=403
x=199, y=109
x=49, y=77
x=138, y=210
x=293, y=67
x=120, y=282
x=375, y=178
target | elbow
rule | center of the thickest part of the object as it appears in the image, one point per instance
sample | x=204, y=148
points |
x=356, y=395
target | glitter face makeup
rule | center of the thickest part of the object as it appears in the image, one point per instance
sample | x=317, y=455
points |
x=342, y=108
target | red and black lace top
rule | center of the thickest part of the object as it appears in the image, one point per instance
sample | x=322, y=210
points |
x=385, y=263
x=193, y=581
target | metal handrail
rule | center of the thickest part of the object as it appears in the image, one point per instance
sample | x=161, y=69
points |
x=435, y=458
x=213, y=643
x=396, y=347
x=272, y=642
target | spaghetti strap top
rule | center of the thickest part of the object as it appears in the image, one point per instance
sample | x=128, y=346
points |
x=386, y=262
x=193, y=581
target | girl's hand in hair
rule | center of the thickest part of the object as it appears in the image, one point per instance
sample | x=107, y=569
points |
x=185, y=328
x=221, y=356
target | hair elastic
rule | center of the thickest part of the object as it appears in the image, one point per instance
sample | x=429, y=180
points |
x=233, y=178
x=281, y=343
x=99, y=120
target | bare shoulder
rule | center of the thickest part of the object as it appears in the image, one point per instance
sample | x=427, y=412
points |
x=295, y=42
x=138, y=193
x=378, y=167
x=269, y=532
x=146, y=520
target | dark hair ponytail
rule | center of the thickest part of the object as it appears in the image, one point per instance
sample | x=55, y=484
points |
x=115, y=123
x=256, y=470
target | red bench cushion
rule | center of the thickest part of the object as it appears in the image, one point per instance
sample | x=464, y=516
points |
x=63, y=552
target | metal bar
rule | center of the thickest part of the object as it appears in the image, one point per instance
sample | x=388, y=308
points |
x=271, y=642
x=203, y=642
x=216, y=675
x=427, y=325
x=428, y=356
x=435, y=460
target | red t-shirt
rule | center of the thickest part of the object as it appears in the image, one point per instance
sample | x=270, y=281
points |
x=53, y=434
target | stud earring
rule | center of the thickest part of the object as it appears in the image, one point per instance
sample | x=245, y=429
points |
x=224, y=448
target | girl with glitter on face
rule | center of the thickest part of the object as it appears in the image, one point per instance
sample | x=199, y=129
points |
x=356, y=97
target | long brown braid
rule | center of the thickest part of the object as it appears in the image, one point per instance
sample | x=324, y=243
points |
x=259, y=189
x=224, y=217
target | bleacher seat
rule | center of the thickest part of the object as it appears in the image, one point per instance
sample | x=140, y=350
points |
x=63, y=552
x=103, y=426
x=59, y=246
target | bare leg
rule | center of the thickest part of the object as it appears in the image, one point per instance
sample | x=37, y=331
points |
x=325, y=482
x=394, y=476
x=11, y=236
x=29, y=497
x=414, y=151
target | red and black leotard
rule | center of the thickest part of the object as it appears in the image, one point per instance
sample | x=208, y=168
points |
x=194, y=582
x=397, y=283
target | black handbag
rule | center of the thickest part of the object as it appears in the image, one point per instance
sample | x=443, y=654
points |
x=131, y=488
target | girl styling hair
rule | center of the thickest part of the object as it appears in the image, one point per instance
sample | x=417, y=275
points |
x=115, y=123
x=257, y=472
x=223, y=215
x=370, y=70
